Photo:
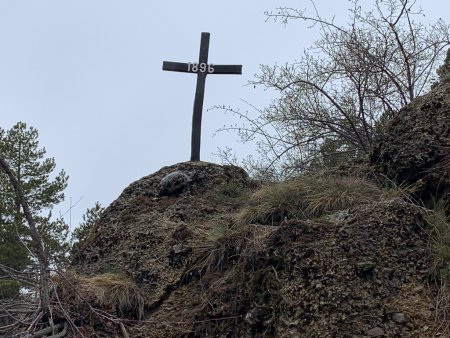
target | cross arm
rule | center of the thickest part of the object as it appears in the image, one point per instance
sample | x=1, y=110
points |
x=175, y=66
x=202, y=68
x=227, y=69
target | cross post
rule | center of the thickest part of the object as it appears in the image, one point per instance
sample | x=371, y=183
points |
x=202, y=68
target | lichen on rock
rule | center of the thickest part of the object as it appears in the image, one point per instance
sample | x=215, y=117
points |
x=413, y=147
x=444, y=70
x=201, y=273
x=173, y=183
x=148, y=236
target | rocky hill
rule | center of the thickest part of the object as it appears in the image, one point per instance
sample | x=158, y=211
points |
x=201, y=250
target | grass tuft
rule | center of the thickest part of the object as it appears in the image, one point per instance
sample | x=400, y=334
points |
x=440, y=241
x=228, y=193
x=110, y=292
x=222, y=242
x=308, y=197
x=440, y=253
x=214, y=246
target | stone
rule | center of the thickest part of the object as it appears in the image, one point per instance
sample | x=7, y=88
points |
x=399, y=318
x=294, y=280
x=173, y=183
x=365, y=268
x=179, y=248
x=375, y=332
x=150, y=238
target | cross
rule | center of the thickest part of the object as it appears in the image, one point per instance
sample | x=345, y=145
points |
x=202, y=68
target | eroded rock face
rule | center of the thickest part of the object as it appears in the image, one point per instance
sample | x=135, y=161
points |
x=351, y=277
x=348, y=278
x=357, y=273
x=414, y=146
x=146, y=233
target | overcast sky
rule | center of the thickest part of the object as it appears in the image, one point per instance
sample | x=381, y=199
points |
x=87, y=74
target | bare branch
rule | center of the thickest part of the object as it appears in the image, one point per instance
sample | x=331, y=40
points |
x=342, y=86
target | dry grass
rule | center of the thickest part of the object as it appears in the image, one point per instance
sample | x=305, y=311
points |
x=442, y=308
x=309, y=197
x=440, y=252
x=229, y=193
x=109, y=292
x=440, y=241
x=214, y=246
x=222, y=242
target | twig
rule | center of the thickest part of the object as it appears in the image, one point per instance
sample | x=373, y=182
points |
x=45, y=331
x=62, y=333
x=65, y=314
x=124, y=331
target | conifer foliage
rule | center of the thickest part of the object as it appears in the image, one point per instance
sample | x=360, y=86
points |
x=90, y=218
x=42, y=188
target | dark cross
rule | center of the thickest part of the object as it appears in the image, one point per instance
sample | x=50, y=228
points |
x=202, y=68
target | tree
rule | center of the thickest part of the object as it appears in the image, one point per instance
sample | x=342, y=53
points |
x=90, y=218
x=38, y=248
x=20, y=149
x=334, y=98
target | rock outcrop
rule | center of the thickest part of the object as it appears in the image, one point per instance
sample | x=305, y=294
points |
x=414, y=147
x=355, y=273
x=148, y=232
x=326, y=268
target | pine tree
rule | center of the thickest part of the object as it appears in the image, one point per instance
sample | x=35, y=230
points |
x=42, y=189
x=81, y=233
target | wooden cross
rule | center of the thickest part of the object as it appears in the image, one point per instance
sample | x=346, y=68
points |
x=202, y=68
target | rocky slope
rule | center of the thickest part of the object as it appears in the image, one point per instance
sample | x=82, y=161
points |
x=193, y=257
x=353, y=273
x=413, y=148
x=144, y=233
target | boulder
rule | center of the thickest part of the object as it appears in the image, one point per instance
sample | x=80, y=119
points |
x=413, y=148
x=202, y=274
x=147, y=234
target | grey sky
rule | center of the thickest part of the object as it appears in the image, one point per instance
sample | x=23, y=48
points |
x=87, y=74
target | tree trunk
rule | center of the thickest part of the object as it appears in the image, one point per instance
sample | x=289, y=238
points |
x=38, y=245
